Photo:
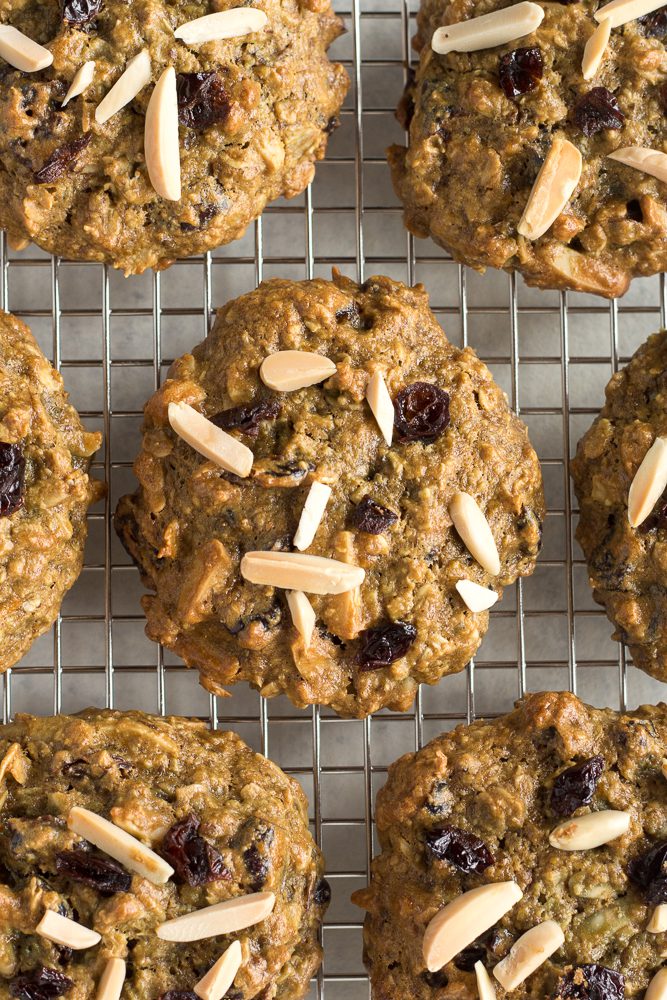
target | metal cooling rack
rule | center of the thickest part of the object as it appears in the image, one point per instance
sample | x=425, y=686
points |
x=113, y=339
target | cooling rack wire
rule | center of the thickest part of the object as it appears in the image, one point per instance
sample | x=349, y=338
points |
x=113, y=339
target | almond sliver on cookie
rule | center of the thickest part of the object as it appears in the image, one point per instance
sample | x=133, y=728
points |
x=658, y=922
x=650, y=161
x=311, y=515
x=621, y=11
x=552, y=190
x=649, y=483
x=220, y=976
x=21, y=52
x=463, y=920
x=476, y=597
x=528, y=953
x=111, y=981
x=222, y=918
x=485, y=987
x=82, y=80
x=287, y=371
x=136, y=76
x=657, y=988
x=119, y=845
x=232, y=23
x=303, y=615
x=61, y=930
x=210, y=441
x=488, y=30
x=475, y=531
x=381, y=405
x=583, y=833
x=595, y=48
x=294, y=571
x=161, y=149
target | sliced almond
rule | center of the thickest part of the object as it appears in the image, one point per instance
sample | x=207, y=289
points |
x=485, y=987
x=663, y=767
x=82, y=80
x=287, y=371
x=61, y=930
x=161, y=148
x=528, y=953
x=583, y=833
x=381, y=405
x=476, y=597
x=552, y=190
x=136, y=76
x=649, y=483
x=621, y=11
x=475, y=531
x=657, y=988
x=649, y=161
x=210, y=441
x=21, y=52
x=119, y=845
x=222, y=918
x=294, y=571
x=232, y=23
x=112, y=979
x=220, y=976
x=303, y=615
x=311, y=515
x=658, y=922
x=488, y=30
x=595, y=48
x=456, y=925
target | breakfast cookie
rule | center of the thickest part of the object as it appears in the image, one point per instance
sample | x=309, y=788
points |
x=627, y=561
x=321, y=560
x=144, y=850
x=244, y=102
x=483, y=123
x=550, y=820
x=45, y=491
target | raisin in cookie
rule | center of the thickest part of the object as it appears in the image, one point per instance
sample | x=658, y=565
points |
x=45, y=491
x=626, y=561
x=394, y=596
x=555, y=816
x=482, y=123
x=97, y=177
x=126, y=824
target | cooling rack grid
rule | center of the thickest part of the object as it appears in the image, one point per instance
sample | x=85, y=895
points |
x=113, y=339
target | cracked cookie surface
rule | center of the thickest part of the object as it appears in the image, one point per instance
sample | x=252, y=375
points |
x=148, y=774
x=189, y=524
x=474, y=152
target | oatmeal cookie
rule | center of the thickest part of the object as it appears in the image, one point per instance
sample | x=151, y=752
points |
x=480, y=805
x=226, y=821
x=626, y=564
x=255, y=113
x=481, y=124
x=45, y=491
x=400, y=619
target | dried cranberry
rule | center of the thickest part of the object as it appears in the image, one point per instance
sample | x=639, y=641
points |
x=649, y=872
x=62, y=159
x=80, y=11
x=382, y=645
x=247, y=418
x=41, y=984
x=194, y=860
x=421, y=412
x=436, y=980
x=575, y=786
x=12, y=478
x=103, y=874
x=202, y=100
x=591, y=982
x=322, y=894
x=468, y=958
x=179, y=995
x=371, y=516
x=658, y=516
x=463, y=850
x=654, y=25
x=520, y=71
x=258, y=866
x=598, y=110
